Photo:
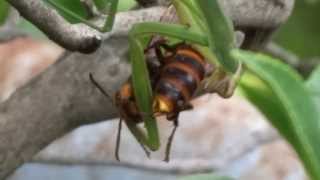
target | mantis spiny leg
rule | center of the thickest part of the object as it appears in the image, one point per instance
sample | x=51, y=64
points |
x=109, y=21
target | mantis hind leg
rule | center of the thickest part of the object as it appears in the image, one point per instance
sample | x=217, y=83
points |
x=111, y=11
x=145, y=150
x=139, y=136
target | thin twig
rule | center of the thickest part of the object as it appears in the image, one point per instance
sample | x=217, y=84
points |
x=304, y=67
x=154, y=166
x=282, y=53
x=147, y=3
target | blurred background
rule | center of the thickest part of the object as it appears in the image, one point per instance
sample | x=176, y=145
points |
x=300, y=33
x=228, y=136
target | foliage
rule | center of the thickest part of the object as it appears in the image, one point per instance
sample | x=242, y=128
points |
x=4, y=10
x=74, y=6
x=282, y=96
x=75, y=14
x=300, y=34
x=204, y=177
x=221, y=39
x=313, y=85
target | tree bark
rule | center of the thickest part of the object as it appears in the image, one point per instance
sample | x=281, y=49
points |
x=60, y=99
x=73, y=37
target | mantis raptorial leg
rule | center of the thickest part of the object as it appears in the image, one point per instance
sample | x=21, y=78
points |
x=140, y=77
x=143, y=92
x=111, y=11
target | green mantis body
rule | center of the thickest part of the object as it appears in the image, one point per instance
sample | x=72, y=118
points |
x=193, y=29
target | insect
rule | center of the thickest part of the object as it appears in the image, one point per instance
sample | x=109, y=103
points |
x=182, y=68
x=173, y=81
x=201, y=25
x=181, y=71
x=192, y=29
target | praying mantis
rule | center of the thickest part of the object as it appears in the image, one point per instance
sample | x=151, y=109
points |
x=202, y=24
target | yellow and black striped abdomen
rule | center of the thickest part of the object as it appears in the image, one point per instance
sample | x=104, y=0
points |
x=179, y=79
x=126, y=103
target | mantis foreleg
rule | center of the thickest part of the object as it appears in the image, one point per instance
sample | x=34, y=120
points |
x=111, y=11
x=140, y=76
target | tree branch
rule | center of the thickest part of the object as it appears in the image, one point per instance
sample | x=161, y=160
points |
x=279, y=52
x=147, y=3
x=75, y=37
x=304, y=67
x=152, y=166
x=63, y=98
x=60, y=99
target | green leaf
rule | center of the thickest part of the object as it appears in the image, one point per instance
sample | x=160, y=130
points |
x=261, y=95
x=220, y=33
x=73, y=6
x=101, y=4
x=282, y=96
x=125, y=5
x=311, y=1
x=313, y=85
x=204, y=177
x=4, y=11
